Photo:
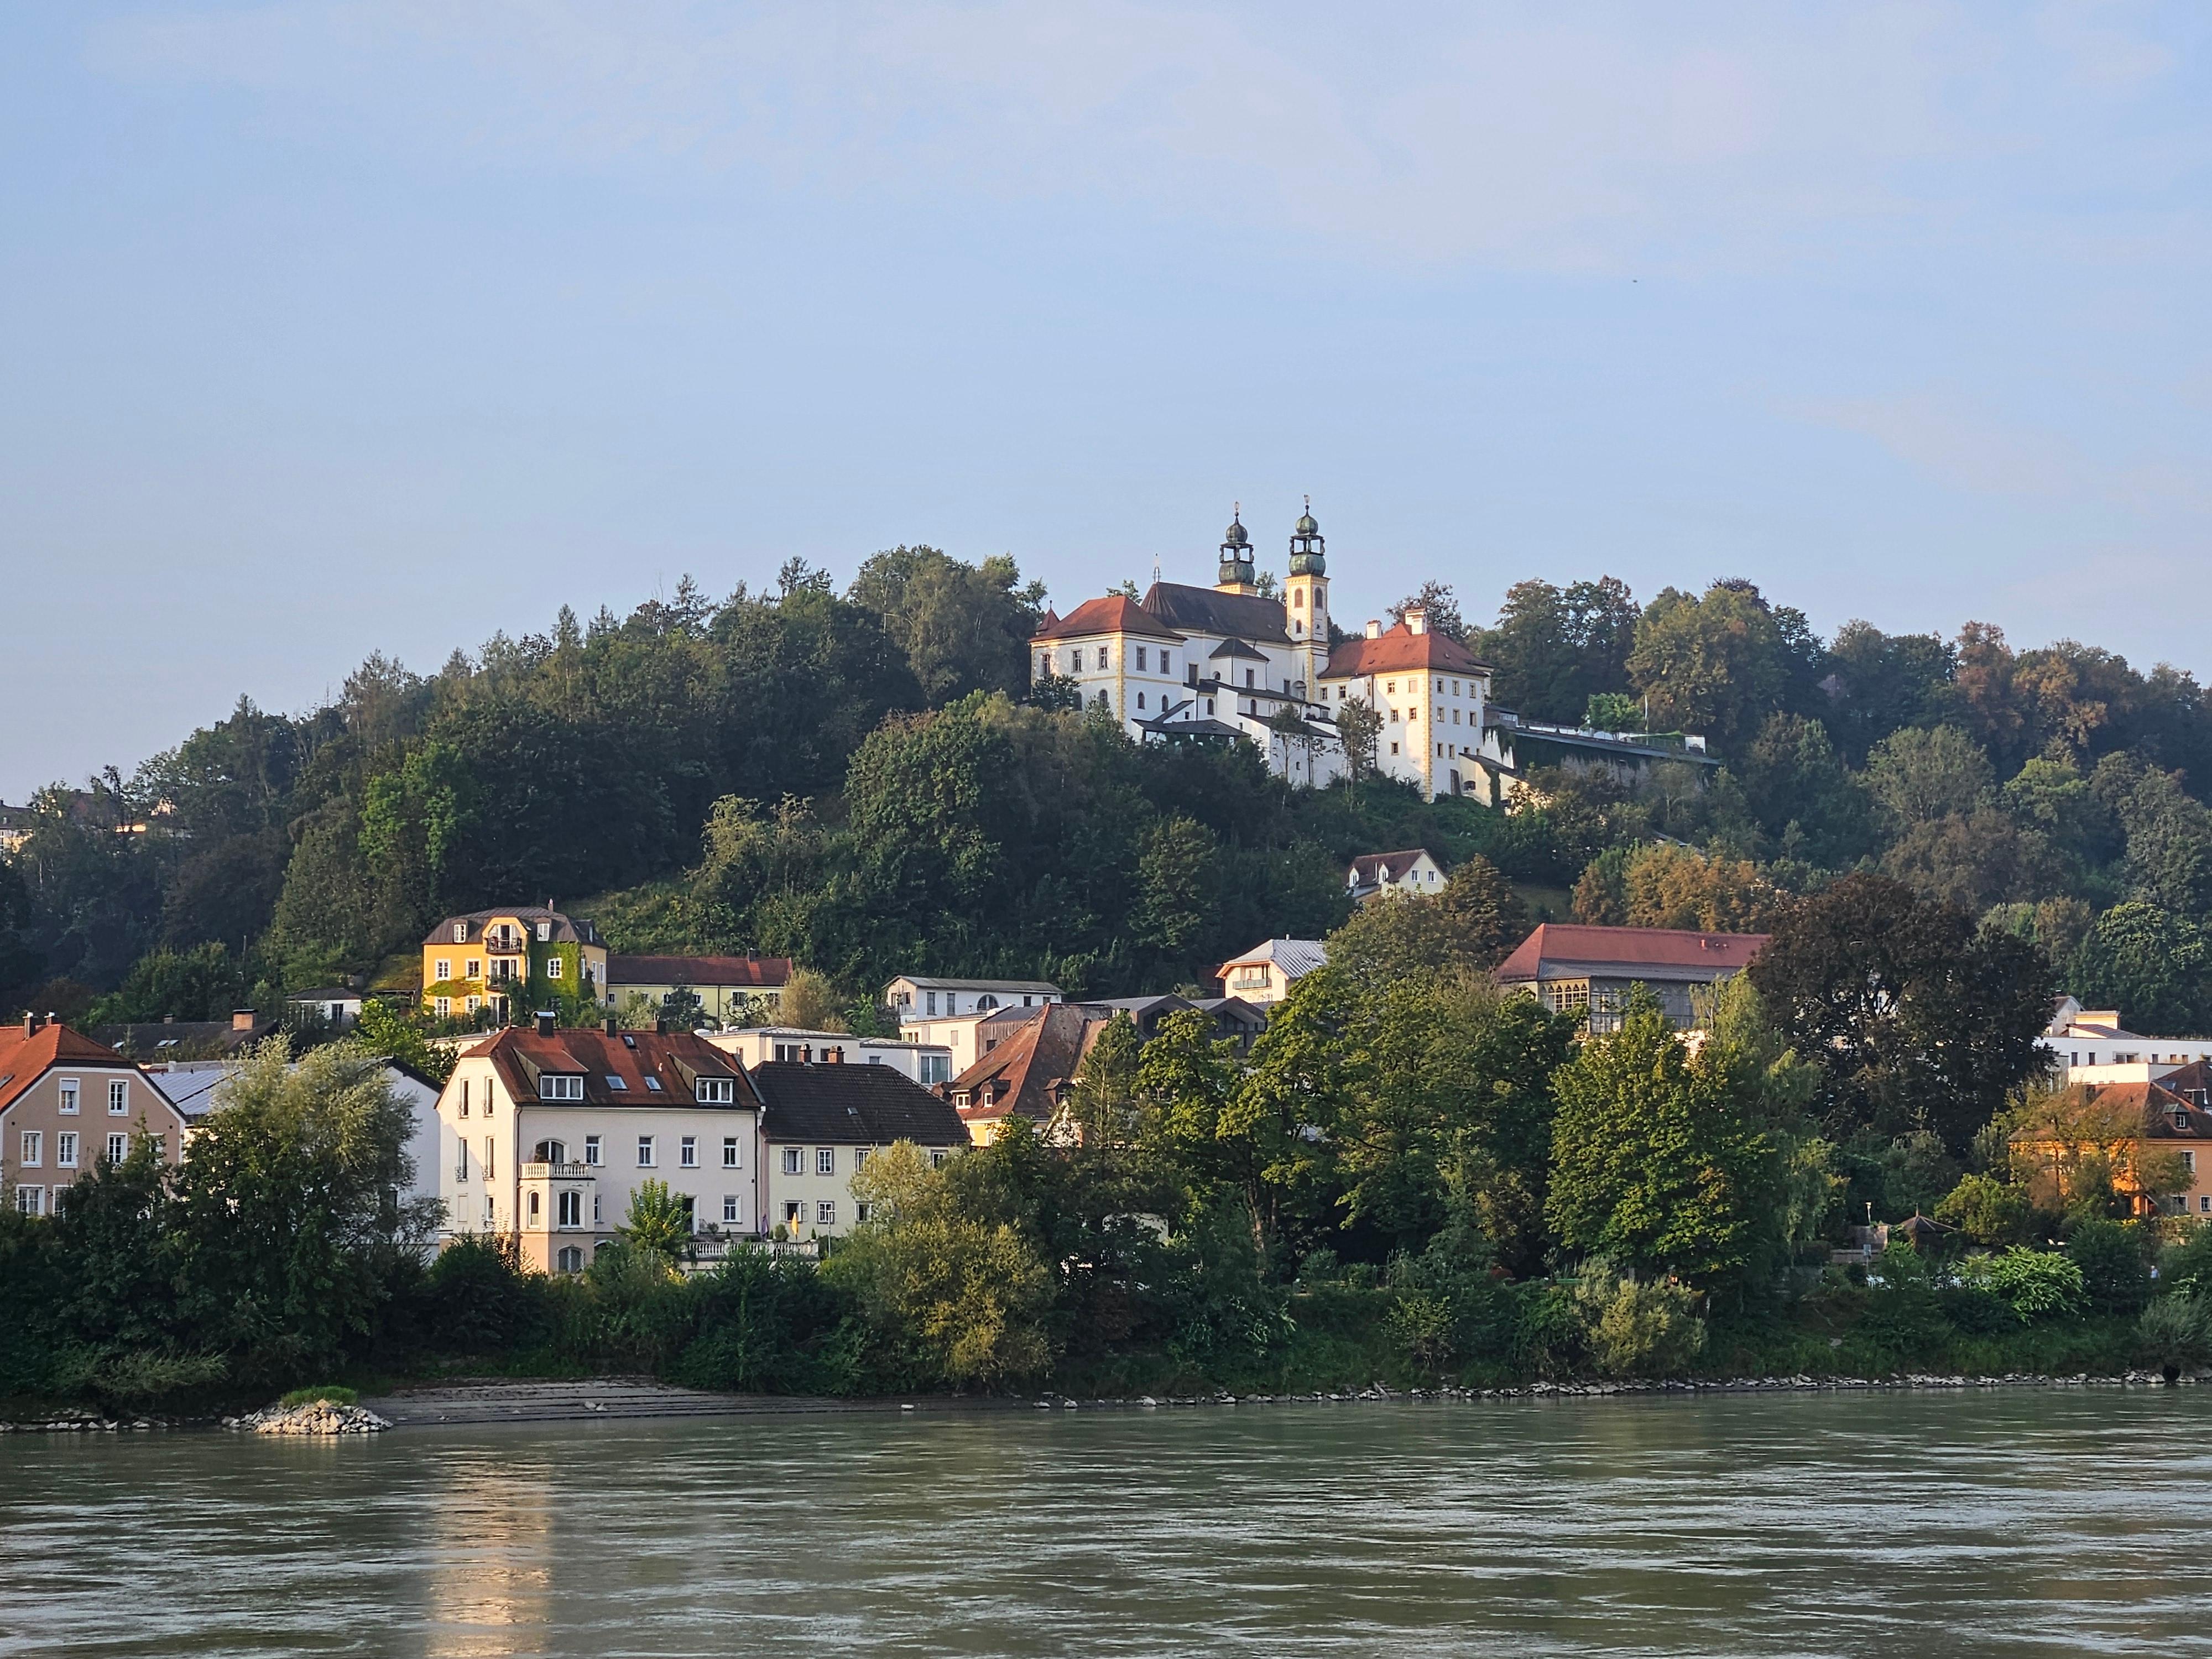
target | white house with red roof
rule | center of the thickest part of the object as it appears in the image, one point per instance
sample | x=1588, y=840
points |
x=1191, y=663
x=545, y=1135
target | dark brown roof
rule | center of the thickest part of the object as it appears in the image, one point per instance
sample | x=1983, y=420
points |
x=166, y=1039
x=1028, y=1074
x=1114, y=614
x=26, y=1057
x=699, y=971
x=656, y=1068
x=1203, y=611
x=1370, y=868
x=863, y=1105
x=1569, y=950
x=566, y=930
x=1396, y=649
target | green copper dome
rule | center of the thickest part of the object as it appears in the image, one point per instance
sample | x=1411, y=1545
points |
x=1309, y=552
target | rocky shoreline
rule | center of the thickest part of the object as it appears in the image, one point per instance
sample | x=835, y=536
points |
x=637, y=1399
x=2136, y=1379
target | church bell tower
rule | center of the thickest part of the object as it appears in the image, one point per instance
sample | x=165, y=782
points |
x=1235, y=576
x=1305, y=595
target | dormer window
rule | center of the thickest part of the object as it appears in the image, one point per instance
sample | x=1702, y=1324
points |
x=460, y=932
x=545, y=930
x=561, y=1085
x=716, y=1090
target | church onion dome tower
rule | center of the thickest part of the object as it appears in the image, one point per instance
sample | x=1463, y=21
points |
x=1309, y=553
x=1235, y=549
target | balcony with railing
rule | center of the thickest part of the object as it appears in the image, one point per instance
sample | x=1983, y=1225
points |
x=563, y=1171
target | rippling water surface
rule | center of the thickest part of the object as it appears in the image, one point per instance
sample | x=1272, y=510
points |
x=2012, y=1522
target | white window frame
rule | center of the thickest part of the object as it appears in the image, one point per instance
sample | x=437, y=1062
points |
x=559, y=1085
x=647, y=1152
x=733, y=1210
x=31, y=1200
x=826, y=1212
x=825, y=1160
x=795, y=1161
x=116, y=1153
x=34, y=1149
x=591, y=1149
x=687, y=1152
x=118, y=1097
x=461, y=1158
x=715, y=1090
x=72, y=1089
x=445, y=967
x=554, y=970
x=444, y=1005
x=732, y=1158
x=66, y=1150
x=460, y=932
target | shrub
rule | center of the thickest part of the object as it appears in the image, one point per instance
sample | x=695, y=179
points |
x=1421, y=1323
x=2187, y=1267
x=1647, y=1328
x=2034, y=1284
x=328, y=1394
x=2114, y=1279
x=2177, y=1331
x=1977, y=1312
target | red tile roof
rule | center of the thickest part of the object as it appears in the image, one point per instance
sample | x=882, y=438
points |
x=1566, y=950
x=1114, y=614
x=1397, y=648
x=672, y=1060
x=1028, y=1072
x=699, y=971
x=25, y=1058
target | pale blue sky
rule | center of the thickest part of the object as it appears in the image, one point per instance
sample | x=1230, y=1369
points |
x=333, y=327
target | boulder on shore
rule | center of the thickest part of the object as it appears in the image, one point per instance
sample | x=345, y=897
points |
x=318, y=1416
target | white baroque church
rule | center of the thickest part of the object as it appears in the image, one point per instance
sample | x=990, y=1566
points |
x=1187, y=664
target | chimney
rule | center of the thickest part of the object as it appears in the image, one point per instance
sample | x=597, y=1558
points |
x=545, y=1017
x=614, y=1025
x=1374, y=628
x=1417, y=619
x=31, y=1023
x=241, y=1019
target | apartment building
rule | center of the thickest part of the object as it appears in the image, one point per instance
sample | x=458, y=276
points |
x=820, y=1124
x=66, y=1103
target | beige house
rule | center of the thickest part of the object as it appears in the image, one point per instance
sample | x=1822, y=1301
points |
x=718, y=989
x=545, y=1134
x=1264, y=975
x=821, y=1124
x=66, y=1103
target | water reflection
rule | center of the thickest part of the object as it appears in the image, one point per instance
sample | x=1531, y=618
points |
x=2014, y=1522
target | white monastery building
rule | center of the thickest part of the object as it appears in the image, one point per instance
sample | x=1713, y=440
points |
x=1225, y=662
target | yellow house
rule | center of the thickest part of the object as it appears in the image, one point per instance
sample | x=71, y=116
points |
x=480, y=962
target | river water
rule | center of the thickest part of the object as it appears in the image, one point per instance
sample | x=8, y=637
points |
x=2039, y=1522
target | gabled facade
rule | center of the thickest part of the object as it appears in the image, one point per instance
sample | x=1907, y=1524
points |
x=1413, y=870
x=477, y=963
x=66, y=1103
x=545, y=1134
x=1263, y=976
x=2153, y=1142
x=1029, y=1074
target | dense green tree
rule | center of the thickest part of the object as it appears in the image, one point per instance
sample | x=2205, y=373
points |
x=2169, y=834
x=1919, y=777
x=1796, y=787
x=287, y=1229
x=1919, y=1019
x=1878, y=683
x=963, y=628
x=1658, y=1156
x=2151, y=965
x=1472, y=923
x=1554, y=650
x=1722, y=662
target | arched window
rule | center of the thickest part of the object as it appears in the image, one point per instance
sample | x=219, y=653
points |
x=550, y=1152
x=533, y=1209
x=1298, y=598
x=985, y=1003
x=571, y=1259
